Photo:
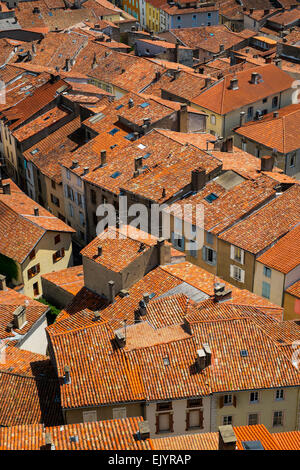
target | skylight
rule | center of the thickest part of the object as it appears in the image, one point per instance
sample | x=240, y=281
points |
x=211, y=197
x=120, y=106
x=141, y=146
x=33, y=152
x=115, y=174
x=152, y=295
x=166, y=361
x=252, y=445
x=144, y=105
x=244, y=353
x=114, y=131
x=129, y=136
x=147, y=155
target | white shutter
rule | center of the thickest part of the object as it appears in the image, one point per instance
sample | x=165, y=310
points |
x=242, y=275
x=232, y=271
x=231, y=252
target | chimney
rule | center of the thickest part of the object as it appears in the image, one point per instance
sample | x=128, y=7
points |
x=36, y=211
x=268, y=60
x=120, y=338
x=138, y=163
x=267, y=163
x=227, y=146
x=242, y=118
x=2, y=282
x=218, y=143
x=147, y=122
x=94, y=64
x=130, y=103
x=151, y=34
x=67, y=376
x=135, y=136
x=146, y=298
x=48, y=442
x=6, y=188
x=103, y=157
x=19, y=317
x=220, y=293
x=234, y=84
x=254, y=78
x=222, y=48
x=112, y=290
x=201, y=359
x=198, y=180
x=86, y=170
x=275, y=114
x=227, y=438
x=157, y=76
x=177, y=52
x=74, y=164
x=208, y=81
x=207, y=351
x=183, y=118
x=164, y=252
x=144, y=430
x=68, y=65
x=33, y=48
x=99, y=250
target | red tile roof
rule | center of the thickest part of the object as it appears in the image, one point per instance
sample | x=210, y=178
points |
x=220, y=99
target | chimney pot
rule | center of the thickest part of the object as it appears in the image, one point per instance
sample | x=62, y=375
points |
x=86, y=170
x=254, y=78
x=6, y=188
x=103, y=157
x=242, y=118
x=99, y=250
x=74, y=163
x=234, y=84
x=67, y=376
x=36, y=211
x=138, y=162
x=130, y=103
x=111, y=288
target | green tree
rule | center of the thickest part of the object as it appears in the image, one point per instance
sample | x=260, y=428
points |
x=8, y=267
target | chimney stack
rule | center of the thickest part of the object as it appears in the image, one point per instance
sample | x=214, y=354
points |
x=164, y=252
x=234, y=84
x=103, y=157
x=275, y=114
x=144, y=430
x=19, y=317
x=33, y=48
x=74, y=164
x=147, y=122
x=130, y=103
x=2, y=282
x=183, y=118
x=267, y=163
x=227, y=146
x=6, y=188
x=227, y=438
x=222, y=48
x=86, y=170
x=112, y=290
x=198, y=180
x=220, y=293
x=68, y=65
x=242, y=118
x=208, y=81
x=138, y=163
x=48, y=442
x=67, y=376
x=254, y=78
x=99, y=250
x=36, y=211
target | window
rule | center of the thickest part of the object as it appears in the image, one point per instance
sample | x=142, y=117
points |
x=213, y=119
x=79, y=182
x=266, y=290
x=227, y=400
x=254, y=397
x=244, y=146
x=267, y=272
x=33, y=271
x=227, y=420
x=292, y=160
x=265, y=100
x=71, y=210
x=194, y=419
x=177, y=240
x=68, y=174
x=79, y=200
x=69, y=193
x=32, y=255
x=119, y=413
x=193, y=250
x=58, y=255
x=88, y=416
x=164, y=406
x=252, y=419
x=250, y=112
x=81, y=218
x=36, y=289
x=57, y=239
x=275, y=102
x=209, y=255
x=279, y=394
x=194, y=403
x=209, y=238
x=237, y=273
x=237, y=254
x=55, y=200
x=93, y=197
x=179, y=18
x=278, y=418
x=53, y=184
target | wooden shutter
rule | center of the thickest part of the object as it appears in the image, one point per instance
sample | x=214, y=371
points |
x=171, y=422
x=38, y=268
x=221, y=402
x=201, y=419
x=157, y=424
x=62, y=252
x=214, y=258
x=187, y=421
x=234, y=401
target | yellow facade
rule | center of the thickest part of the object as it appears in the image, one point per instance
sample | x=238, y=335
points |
x=152, y=17
x=290, y=304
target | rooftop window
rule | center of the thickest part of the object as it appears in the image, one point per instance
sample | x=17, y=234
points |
x=211, y=197
x=115, y=174
x=114, y=131
x=244, y=353
x=144, y=105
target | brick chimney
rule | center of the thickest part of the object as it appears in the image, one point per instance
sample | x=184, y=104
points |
x=227, y=438
x=267, y=163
